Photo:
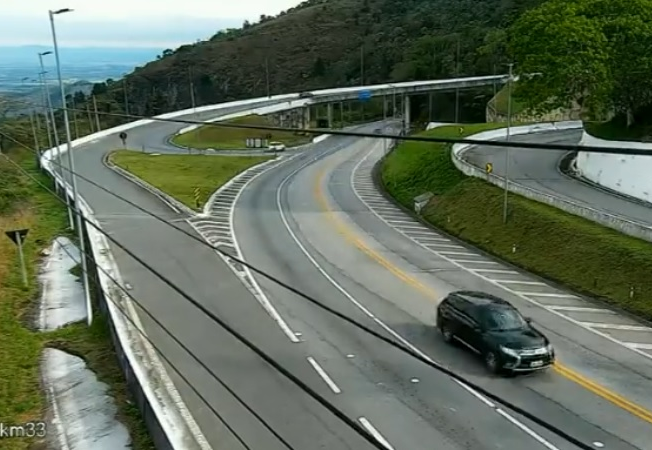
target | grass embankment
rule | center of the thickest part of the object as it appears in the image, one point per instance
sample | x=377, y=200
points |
x=580, y=254
x=26, y=205
x=180, y=175
x=501, y=103
x=223, y=138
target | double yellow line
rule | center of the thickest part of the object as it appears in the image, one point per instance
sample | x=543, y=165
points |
x=559, y=368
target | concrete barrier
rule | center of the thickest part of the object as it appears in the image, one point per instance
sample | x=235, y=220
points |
x=260, y=111
x=625, y=174
x=618, y=223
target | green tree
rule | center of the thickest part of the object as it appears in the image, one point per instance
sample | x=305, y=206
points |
x=568, y=51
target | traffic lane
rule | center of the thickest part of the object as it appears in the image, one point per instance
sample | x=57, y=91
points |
x=377, y=381
x=550, y=389
x=199, y=272
x=539, y=169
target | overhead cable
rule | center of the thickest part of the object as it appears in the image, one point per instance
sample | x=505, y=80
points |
x=336, y=313
x=399, y=137
x=271, y=361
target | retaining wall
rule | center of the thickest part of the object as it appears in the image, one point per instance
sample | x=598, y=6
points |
x=618, y=223
x=629, y=175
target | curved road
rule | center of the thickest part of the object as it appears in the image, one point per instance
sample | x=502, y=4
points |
x=310, y=222
x=539, y=169
x=318, y=224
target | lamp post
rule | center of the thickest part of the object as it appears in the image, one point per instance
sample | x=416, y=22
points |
x=71, y=166
x=55, y=133
x=509, y=126
x=46, y=101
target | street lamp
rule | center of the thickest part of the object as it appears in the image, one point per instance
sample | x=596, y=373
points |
x=509, y=126
x=55, y=133
x=71, y=166
x=46, y=101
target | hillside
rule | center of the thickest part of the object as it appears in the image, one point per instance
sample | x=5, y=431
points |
x=324, y=44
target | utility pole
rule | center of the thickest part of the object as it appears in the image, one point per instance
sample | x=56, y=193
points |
x=74, y=115
x=46, y=100
x=71, y=166
x=509, y=125
x=362, y=65
x=37, y=145
x=457, y=75
x=269, y=92
x=97, y=115
x=191, y=86
x=124, y=87
x=90, y=118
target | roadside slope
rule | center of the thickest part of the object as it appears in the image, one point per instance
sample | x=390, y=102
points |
x=580, y=254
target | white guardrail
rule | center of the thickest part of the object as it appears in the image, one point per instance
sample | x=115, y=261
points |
x=626, y=174
x=621, y=224
x=157, y=397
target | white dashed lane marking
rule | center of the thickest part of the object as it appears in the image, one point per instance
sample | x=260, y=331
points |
x=607, y=323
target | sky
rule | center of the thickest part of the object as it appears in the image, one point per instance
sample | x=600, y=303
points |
x=128, y=23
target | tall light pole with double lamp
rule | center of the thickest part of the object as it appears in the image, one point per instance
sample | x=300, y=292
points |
x=71, y=166
x=55, y=133
x=509, y=126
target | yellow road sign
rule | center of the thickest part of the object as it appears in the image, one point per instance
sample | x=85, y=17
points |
x=489, y=167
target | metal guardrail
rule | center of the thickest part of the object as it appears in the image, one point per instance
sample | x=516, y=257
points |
x=619, y=223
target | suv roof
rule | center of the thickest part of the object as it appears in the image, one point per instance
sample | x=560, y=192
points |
x=481, y=298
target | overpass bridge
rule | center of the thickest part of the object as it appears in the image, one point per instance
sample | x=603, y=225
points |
x=389, y=92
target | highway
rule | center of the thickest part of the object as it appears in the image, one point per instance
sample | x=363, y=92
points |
x=197, y=270
x=317, y=223
x=306, y=223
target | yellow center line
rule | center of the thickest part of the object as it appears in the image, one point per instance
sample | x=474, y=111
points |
x=350, y=236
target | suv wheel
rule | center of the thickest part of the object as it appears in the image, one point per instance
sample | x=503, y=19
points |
x=446, y=333
x=491, y=362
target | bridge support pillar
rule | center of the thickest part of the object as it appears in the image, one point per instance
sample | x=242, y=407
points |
x=306, y=117
x=329, y=113
x=406, y=114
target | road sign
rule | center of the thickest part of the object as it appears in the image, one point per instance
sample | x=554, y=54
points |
x=489, y=167
x=196, y=193
x=461, y=130
x=18, y=237
x=364, y=96
x=123, y=138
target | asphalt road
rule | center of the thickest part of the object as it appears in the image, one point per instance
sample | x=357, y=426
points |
x=283, y=229
x=305, y=224
x=539, y=170
x=198, y=271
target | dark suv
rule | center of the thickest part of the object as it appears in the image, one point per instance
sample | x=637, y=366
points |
x=493, y=328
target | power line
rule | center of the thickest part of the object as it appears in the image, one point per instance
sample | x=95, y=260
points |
x=427, y=139
x=285, y=372
x=182, y=345
x=336, y=313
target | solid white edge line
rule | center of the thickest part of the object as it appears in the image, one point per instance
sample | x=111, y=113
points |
x=469, y=389
x=374, y=432
x=324, y=376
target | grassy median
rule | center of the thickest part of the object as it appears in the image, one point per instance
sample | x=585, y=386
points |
x=180, y=175
x=578, y=253
x=223, y=138
x=24, y=204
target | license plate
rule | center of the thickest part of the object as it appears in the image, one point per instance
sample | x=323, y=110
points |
x=536, y=364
